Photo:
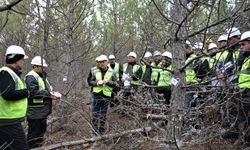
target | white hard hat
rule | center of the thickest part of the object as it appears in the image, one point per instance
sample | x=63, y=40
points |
x=133, y=54
x=223, y=37
x=37, y=60
x=97, y=58
x=157, y=53
x=198, y=45
x=188, y=42
x=102, y=58
x=167, y=54
x=147, y=54
x=233, y=32
x=245, y=36
x=14, y=49
x=111, y=56
x=211, y=46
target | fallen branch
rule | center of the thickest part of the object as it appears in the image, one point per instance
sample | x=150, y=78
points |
x=92, y=140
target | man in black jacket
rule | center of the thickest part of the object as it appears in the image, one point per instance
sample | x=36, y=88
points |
x=102, y=81
x=39, y=102
x=13, y=101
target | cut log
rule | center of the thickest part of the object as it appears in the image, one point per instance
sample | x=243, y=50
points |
x=92, y=140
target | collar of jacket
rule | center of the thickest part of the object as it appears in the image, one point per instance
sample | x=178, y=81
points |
x=15, y=70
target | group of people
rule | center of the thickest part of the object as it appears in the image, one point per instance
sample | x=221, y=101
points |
x=225, y=62
x=31, y=100
x=206, y=63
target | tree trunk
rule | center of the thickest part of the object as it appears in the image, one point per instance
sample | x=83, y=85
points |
x=178, y=33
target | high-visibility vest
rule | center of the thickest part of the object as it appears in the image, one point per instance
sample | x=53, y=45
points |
x=37, y=102
x=134, y=70
x=116, y=70
x=107, y=91
x=190, y=74
x=245, y=75
x=93, y=69
x=155, y=72
x=165, y=77
x=13, y=109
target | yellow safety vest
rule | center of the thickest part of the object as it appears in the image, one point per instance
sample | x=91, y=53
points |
x=41, y=85
x=116, y=70
x=107, y=91
x=165, y=77
x=190, y=74
x=135, y=69
x=245, y=75
x=155, y=72
x=13, y=109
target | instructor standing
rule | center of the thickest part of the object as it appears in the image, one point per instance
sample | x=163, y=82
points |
x=13, y=100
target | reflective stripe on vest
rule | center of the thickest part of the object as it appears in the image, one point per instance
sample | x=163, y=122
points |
x=107, y=91
x=165, y=77
x=190, y=74
x=41, y=86
x=155, y=72
x=15, y=108
x=116, y=70
x=245, y=75
x=135, y=69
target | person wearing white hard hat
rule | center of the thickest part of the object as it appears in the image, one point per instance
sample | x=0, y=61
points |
x=155, y=71
x=222, y=41
x=233, y=59
x=39, y=101
x=115, y=66
x=242, y=123
x=197, y=48
x=13, y=100
x=212, y=49
x=118, y=74
x=102, y=84
x=146, y=68
x=164, y=78
x=132, y=72
x=156, y=58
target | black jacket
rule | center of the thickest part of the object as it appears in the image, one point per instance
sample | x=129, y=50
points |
x=135, y=76
x=46, y=109
x=9, y=93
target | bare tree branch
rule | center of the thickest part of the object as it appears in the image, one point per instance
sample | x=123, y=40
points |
x=9, y=5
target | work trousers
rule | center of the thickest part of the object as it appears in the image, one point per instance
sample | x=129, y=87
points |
x=99, y=110
x=12, y=137
x=36, y=131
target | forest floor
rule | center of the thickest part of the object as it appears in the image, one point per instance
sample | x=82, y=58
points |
x=77, y=127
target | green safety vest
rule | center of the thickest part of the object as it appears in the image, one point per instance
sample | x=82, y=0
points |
x=13, y=109
x=116, y=70
x=245, y=75
x=107, y=91
x=155, y=72
x=135, y=69
x=165, y=77
x=37, y=102
x=190, y=74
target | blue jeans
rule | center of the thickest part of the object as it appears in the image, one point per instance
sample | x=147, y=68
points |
x=99, y=111
x=188, y=99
